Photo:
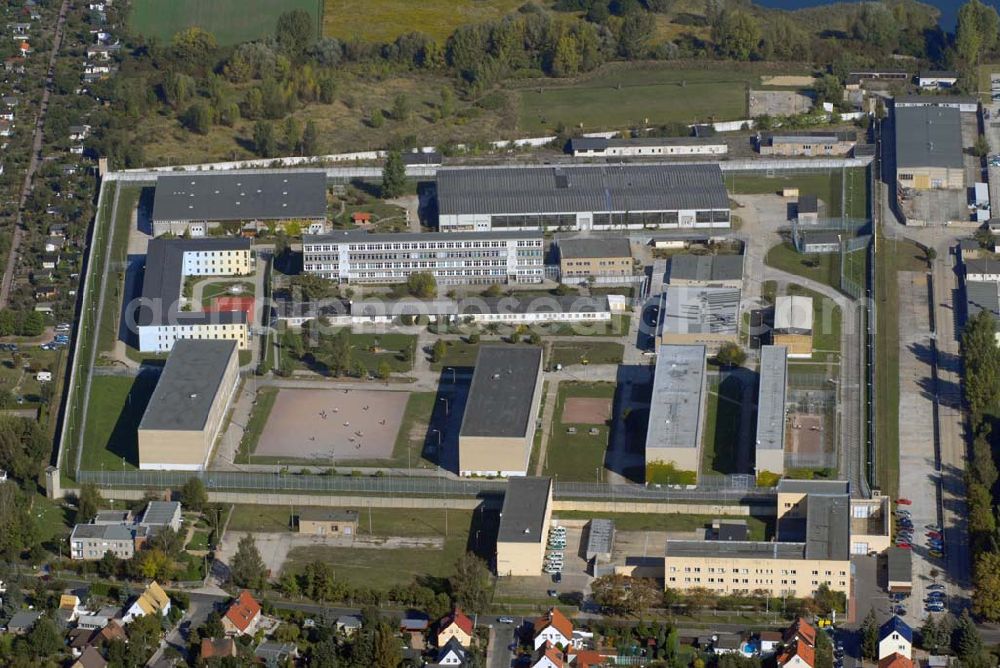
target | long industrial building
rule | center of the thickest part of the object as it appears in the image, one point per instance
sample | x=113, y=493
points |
x=465, y=258
x=929, y=148
x=524, y=526
x=194, y=203
x=708, y=316
x=568, y=198
x=186, y=410
x=769, y=445
x=163, y=314
x=677, y=407
x=498, y=426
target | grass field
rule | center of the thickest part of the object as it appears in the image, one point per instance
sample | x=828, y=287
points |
x=820, y=267
x=826, y=185
x=636, y=95
x=578, y=456
x=409, y=448
x=826, y=321
x=722, y=429
x=230, y=21
x=457, y=354
x=385, y=20
x=266, y=397
x=116, y=407
x=215, y=289
x=128, y=197
x=663, y=522
x=396, y=350
x=586, y=352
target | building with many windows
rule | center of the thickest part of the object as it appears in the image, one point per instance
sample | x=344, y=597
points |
x=454, y=259
x=645, y=147
x=165, y=315
x=582, y=197
x=807, y=144
x=596, y=257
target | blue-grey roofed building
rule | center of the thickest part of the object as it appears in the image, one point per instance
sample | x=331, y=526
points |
x=895, y=637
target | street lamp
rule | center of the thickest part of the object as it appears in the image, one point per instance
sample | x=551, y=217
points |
x=438, y=432
x=447, y=409
x=452, y=369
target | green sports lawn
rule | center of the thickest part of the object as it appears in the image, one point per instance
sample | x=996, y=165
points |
x=231, y=21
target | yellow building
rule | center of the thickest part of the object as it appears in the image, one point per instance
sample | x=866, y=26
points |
x=498, y=426
x=524, y=526
x=328, y=522
x=187, y=407
x=929, y=148
x=583, y=258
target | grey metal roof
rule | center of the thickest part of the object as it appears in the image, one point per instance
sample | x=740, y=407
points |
x=982, y=266
x=828, y=526
x=820, y=237
x=808, y=204
x=421, y=158
x=327, y=515
x=400, y=307
x=543, y=303
x=735, y=548
x=771, y=398
x=361, y=236
x=969, y=244
x=163, y=278
x=793, y=314
x=571, y=189
x=282, y=195
x=102, y=531
x=800, y=137
x=160, y=513
x=928, y=137
x=600, y=536
x=982, y=296
x=676, y=403
x=502, y=392
x=706, y=268
x=900, y=563
x=793, y=486
x=699, y=310
x=23, y=619
x=730, y=529
x=113, y=517
x=938, y=74
x=190, y=380
x=934, y=100
x=574, y=249
x=602, y=143
x=522, y=517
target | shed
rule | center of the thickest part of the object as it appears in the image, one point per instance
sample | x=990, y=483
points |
x=600, y=539
x=900, y=567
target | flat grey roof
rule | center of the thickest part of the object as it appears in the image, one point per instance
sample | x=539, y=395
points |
x=706, y=268
x=699, y=310
x=23, y=619
x=982, y=266
x=828, y=527
x=793, y=314
x=810, y=237
x=934, y=100
x=814, y=486
x=327, y=515
x=542, y=303
x=187, y=386
x=928, y=137
x=102, y=531
x=601, y=143
x=900, y=564
x=280, y=195
x=771, y=398
x=600, y=536
x=360, y=236
x=735, y=548
x=799, y=137
x=573, y=249
x=571, y=189
x=940, y=74
x=163, y=278
x=502, y=392
x=676, y=403
x=160, y=513
x=112, y=516
x=522, y=517
x=982, y=296
x=808, y=204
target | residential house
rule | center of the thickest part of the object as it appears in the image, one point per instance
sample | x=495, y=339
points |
x=15, y=64
x=452, y=654
x=6, y=128
x=78, y=640
x=161, y=514
x=79, y=132
x=7, y=114
x=456, y=625
x=895, y=637
x=217, y=648
x=152, y=601
x=348, y=624
x=798, y=655
x=895, y=661
x=90, y=542
x=414, y=623
x=242, y=616
x=54, y=243
x=23, y=621
x=276, y=654
x=727, y=643
x=800, y=631
x=585, y=658
x=92, y=622
x=50, y=260
x=113, y=631
x=554, y=627
x=24, y=48
x=69, y=603
x=548, y=656
x=91, y=658
x=770, y=641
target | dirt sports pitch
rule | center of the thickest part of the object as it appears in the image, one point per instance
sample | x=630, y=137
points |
x=805, y=435
x=333, y=424
x=586, y=410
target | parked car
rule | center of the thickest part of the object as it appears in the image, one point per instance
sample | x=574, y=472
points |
x=934, y=534
x=905, y=546
x=899, y=610
x=936, y=587
x=553, y=593
x=557, y=577
x=937, y=554
x=505, y=620
x=932, y=527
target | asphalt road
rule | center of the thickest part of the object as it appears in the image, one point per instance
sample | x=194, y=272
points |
x=503, y=636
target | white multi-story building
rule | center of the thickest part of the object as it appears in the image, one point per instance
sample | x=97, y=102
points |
x=470, y=258
x=582, y=197
x=162, y=316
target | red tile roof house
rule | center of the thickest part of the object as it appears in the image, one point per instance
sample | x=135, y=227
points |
x=217, y=648
x=555, y=628
x=801, y=630
x=799, y=655
x=456, y=625
x=548, y=656
x=895, y=661
x=242, y=616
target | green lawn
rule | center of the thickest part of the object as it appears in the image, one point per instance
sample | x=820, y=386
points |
x=826, y=322
x=115, y=410
x=383, y=521
x=52, y=519
x=371, y=350
x=722, y=429
x=266, y=396
x=759, y=529
x=260, y=518
x=457, y=354
x=385, y=20
x=413, y=430
x=128, y=198
x=850, y=193
x=578, y=456
x=586, y=352
x=215, y=288
x=620, y=96
x=823, y=268
x=230, y=21
x=198, y=542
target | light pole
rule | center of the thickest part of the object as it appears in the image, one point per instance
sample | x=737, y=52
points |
x=452, y=369
x=438, y=432
x=447, y=408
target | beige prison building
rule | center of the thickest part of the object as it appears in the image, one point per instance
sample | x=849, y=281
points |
x=188, y=405
x=819, y=527
x=808, y=144
x=328, y=522
x=501, y=411
x=584, y=258
x=929, y=148
x=524, y=526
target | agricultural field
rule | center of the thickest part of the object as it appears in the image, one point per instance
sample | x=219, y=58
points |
x=230, y=21
x=386, y=20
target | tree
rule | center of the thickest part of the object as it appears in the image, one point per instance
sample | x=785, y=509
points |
x=824, y=651
x=976, y=31
x=470, y=585
x=264, y=141
x=621, y=595
x=933, y=636
x=986, y=598
x=401, y=107
x=247, y=568
x=198, y=118
x=295, y=32
x=194, y=47
x=438, y=351
x=310, y=139
x=386, y=650
x=829, y=600
x=829, y=89
x=44, y=637
x=293, y=135
x=736, y=35
x=384, y=370
x=869, y=637
x=633, y=40
x=966, y=640
x=393, y=176
x=154, y=564
x=89, y=503
x=193, y=494
x=422, y=285
x=730, y=354
x=930, y=253
x=473, y=338
x=874, y=24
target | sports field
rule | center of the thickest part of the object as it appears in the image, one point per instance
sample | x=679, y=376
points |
x=385, y=20
x=620, y=96
x=231, y=21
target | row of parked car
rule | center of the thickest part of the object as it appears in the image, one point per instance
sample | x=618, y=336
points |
x=934, y=538
x=554, y=551
x=61, y=339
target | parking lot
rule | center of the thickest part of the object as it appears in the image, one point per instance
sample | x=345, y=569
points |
x=573, y=579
